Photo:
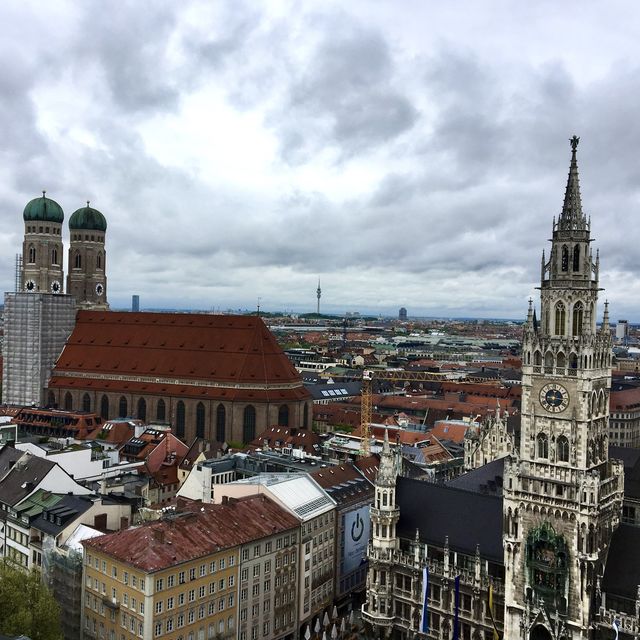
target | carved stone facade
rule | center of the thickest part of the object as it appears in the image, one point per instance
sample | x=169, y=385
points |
x=562, y=494
x=492, y=441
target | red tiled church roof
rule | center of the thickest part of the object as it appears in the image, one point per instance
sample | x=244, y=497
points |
x=170, y=353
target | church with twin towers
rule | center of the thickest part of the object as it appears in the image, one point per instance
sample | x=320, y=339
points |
x=40, y=314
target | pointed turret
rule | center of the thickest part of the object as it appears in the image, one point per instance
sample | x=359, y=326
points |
x=605, y=328
x=387, y=471
x=572, y=217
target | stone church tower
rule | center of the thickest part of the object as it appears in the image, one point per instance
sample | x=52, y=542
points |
x=562, y=494
x=87, y=279
x=42, y=247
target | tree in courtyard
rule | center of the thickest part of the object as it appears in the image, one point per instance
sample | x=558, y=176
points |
x=27, y=606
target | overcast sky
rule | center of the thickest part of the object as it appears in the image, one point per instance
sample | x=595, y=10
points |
x=408, y=153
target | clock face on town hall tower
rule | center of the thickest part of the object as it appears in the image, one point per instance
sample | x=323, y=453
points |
x=554, y=398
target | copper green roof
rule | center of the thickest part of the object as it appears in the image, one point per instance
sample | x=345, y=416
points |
x=43, y=209
x=88, y=218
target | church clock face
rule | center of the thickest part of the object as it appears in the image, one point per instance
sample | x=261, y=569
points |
x=55, y=287
x=30, y=286
x=99, y=289
x=554, y=398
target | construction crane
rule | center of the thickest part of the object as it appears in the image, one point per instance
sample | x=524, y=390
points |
x=368, y=377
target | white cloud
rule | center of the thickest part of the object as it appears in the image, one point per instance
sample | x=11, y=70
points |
x=410, y=153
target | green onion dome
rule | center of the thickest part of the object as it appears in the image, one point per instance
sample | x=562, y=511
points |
x=43, y=210
x=87, y=219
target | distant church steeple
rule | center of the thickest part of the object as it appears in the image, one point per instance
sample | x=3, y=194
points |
x=318, y=293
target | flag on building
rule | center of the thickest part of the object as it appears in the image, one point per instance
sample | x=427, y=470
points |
x=424, y=622
x=456, y=614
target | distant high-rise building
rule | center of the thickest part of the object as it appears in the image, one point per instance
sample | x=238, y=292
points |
x=622, y=329
x=135, y=303
x=318, y=293
x=402, y=314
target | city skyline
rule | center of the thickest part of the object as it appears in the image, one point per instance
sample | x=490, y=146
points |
x=392, y=149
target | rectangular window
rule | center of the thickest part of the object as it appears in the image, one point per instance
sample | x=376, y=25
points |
x=159, y=584
x=232, y=561
x=169, y=603
x=170, y=581
x=221, y=584
x=203, y=570
x=192, y=574
x=212, y=567
x=181, y=578
x=232, y=580
x=192, y=595
x=245, y=554
x=159, y=606
x=222, y=565
x=268, y=546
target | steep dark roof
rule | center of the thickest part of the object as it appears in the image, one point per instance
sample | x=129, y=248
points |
x=484, y=479
x=23, y=478
x=54, y=519
x=437, y=511
x=622, y=573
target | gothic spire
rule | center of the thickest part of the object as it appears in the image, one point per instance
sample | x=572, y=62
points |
x=572, y=216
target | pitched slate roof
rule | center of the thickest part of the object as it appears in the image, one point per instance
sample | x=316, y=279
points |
x=194, y=355
x=23, y=477
x=438, y=511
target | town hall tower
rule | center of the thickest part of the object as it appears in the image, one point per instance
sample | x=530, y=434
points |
x=562, y=494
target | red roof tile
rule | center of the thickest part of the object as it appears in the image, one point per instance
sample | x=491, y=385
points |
x=186, y=536
x=172, y=352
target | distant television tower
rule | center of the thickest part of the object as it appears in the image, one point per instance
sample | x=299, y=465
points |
x=318, y=293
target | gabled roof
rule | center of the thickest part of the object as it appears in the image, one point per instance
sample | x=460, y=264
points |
x=150, y=351
x=197, y=532
x=23, y=477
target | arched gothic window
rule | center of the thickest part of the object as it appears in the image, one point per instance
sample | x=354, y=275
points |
x=104, y=408
x=122, y=407
x=161, y=411
x=249, y=424
x=576, y=258
x=543, y=445
x=283, y=416
x=200, y=420
x=221, y=420
x=68, y=402
x=142, y=409
x=562, y=447
x=54, y=256
x=51, y=399
x=561, y=319
x=565, y=258
x=180, y=419
x=578, y=311
x=77, y=262
x=99, y=261
x=32, y=254
x=537, y=359
x=86, y=403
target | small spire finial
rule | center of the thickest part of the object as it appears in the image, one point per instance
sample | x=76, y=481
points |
x=574, y=143
x=43, y=193
x=88, y=203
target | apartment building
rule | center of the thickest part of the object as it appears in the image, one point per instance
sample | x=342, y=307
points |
x=176, y=578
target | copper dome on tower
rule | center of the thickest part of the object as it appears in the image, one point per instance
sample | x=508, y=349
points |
x=43, y=209
x=88, y=219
